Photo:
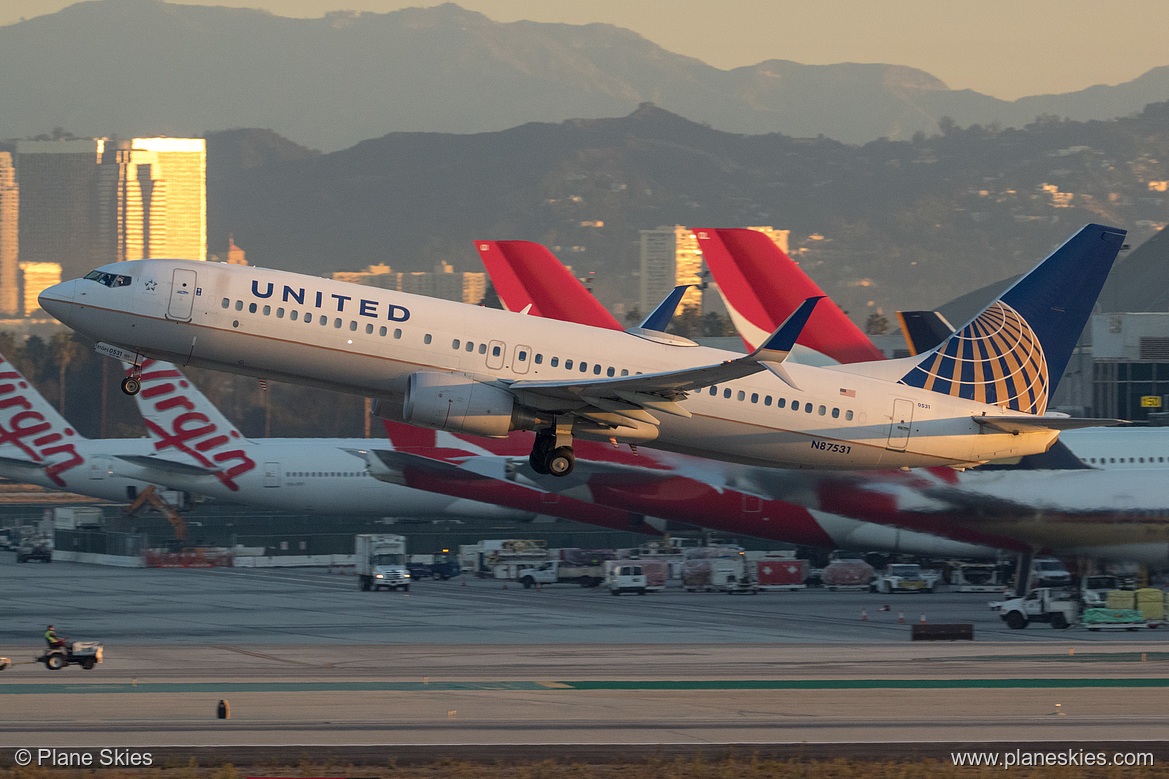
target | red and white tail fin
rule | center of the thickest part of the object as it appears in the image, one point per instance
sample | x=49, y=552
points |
x=761, y=287
x=525, y=273
x=32, y=433
x=186, y=427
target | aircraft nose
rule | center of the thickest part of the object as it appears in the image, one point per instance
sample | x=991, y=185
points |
x=58, y=299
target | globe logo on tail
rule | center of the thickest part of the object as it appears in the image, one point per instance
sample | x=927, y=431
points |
x=996, y=359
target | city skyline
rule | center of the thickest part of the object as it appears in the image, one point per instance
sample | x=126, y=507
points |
x=1000, y=48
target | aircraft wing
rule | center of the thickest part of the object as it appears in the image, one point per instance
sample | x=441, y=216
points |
x=632, y=397
x=1019, y=424
x=169, y=466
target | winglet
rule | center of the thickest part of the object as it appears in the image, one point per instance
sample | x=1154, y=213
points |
x=659, y=320
x=776, y=348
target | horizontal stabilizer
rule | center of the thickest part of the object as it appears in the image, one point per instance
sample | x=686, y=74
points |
x=169, y=466
x=1016, y=424
x=14, y=462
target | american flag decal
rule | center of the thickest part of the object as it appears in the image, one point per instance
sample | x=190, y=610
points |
x=848, y=393
x=995, y=359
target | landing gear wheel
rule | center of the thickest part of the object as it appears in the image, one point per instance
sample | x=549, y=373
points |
x=561, y=461
x=541, y=450
x=131, y=385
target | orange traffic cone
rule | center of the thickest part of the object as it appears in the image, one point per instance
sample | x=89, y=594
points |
x=923, y=618
x=864, y=615
x=901, y=616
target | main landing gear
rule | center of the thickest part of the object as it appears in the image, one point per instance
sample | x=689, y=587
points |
x=552, y=451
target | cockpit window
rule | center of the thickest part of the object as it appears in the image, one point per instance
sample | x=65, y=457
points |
x=109, y=279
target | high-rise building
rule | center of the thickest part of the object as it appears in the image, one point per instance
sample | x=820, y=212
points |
x=9, y=238
x=38, y=276
x=669, y=256
x=89, y=202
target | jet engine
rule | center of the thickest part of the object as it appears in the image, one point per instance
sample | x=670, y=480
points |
x=458, y=404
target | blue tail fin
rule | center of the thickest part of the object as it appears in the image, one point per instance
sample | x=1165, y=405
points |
x=1014, y=353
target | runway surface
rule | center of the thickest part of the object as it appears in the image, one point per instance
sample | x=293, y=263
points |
x=307, y=661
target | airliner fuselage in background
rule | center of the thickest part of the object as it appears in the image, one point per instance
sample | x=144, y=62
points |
x=446, y=365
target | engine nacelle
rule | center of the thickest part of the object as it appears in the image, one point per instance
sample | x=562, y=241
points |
x=444, y=401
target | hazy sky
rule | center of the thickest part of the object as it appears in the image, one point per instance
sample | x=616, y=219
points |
x=1004, y=48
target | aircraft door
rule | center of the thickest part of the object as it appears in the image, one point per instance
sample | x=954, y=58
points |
x=182, y=294
x=522, y=359
x=900, y=424
x=495, y=351
x=271, y=474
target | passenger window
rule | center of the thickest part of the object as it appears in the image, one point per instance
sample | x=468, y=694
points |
x=324, y=320
x=795, y=405
x=584, y=367
x=382, y=331
x=293, y=314
x=611, y=372
x=495, y=351
x=455, y=344
x=369, y=329
x=470, y=346
x=568, y=365
x=280, y=313
x=239, y=305
x=835, y=413
x=714, y=390
x=624, y=371
x=427, y=339
x=226, y=302
x=597, y=370
x=267, y=310
x=781, y=403
x=352, y=325
x=808, y=407
x=767, y=401
x=742, y=395
x=251, y=308
x=337, y=323
x=539, y=359
x=482, y=348
x=554, y=362
x=823, y=410
x=397, y=332
x=523, y=355
x=754, y=397
x=848, y=415
x=308, y=317
x=727, y=392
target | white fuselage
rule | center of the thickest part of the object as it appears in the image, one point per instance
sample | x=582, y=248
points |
x=369, y=341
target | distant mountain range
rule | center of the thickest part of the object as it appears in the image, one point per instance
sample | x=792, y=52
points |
x=894, y=224
x=145, y=67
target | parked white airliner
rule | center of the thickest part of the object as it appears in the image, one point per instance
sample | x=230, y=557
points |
x=978, y=396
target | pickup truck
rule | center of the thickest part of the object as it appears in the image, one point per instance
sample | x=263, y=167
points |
x=1054, y=606
x=555, y=571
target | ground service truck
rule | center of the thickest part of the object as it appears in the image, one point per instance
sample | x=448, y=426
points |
x=381, y=562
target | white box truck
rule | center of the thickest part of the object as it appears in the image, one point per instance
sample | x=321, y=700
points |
x=381, y=562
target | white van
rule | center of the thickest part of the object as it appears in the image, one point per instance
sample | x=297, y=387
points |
x=626, y=578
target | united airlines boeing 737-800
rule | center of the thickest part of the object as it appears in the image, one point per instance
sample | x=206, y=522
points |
x=978, y=396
